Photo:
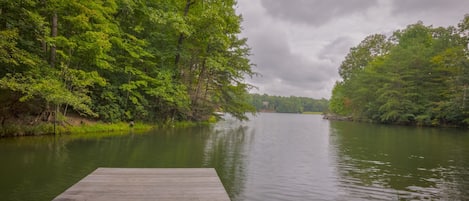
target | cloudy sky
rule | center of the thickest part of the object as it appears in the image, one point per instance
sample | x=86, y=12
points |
x=298, y=45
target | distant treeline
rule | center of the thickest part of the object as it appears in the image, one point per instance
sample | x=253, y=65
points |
x=119, y=60
x=292, y=104
x=417, y=76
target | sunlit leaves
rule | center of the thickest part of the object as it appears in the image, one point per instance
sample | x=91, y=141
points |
x=115, y=58
x=51, y=89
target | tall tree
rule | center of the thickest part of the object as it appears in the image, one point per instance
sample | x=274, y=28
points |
x=419, y=77
x=123, y=59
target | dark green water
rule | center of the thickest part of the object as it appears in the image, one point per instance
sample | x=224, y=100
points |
x=271, y=157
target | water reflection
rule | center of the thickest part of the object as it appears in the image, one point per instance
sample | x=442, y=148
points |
x=226, y=149
x=270, y=157
x=383, y=162
x=39, y=168
x=288, y=159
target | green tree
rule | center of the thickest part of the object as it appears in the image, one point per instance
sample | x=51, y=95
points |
x=118, y=60
x=419, y=76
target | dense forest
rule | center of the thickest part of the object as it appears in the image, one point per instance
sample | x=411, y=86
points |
x=292, y=104
x=416, y=76
x=121, y=60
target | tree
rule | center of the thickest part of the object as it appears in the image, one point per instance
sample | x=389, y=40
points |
x=290, y=104
x=358, y=58
x=416, y=76
x=118, y=60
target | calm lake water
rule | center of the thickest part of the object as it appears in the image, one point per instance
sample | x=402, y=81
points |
x=270, y=157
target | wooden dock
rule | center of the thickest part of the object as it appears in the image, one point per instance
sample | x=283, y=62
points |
x=163, y=184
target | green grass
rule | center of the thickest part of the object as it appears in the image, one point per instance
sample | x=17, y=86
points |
x=106, y=127
x=12, y=130
x=99, y=135
x=92, y=130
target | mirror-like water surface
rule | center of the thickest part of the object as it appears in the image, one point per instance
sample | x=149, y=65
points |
x=271, y=157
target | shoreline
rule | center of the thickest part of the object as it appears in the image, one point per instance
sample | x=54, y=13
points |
x=335, y=117
x=47, y=128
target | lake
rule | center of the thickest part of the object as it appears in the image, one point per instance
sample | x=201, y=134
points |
x=271, y=157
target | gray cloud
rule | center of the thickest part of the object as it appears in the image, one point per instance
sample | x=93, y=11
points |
x=314, y=12
x=282, y=69
x=298, y=45
x=431, y=12
x=413, y=6
x=335, y=50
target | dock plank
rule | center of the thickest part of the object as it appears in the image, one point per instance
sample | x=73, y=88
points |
x=166, y=184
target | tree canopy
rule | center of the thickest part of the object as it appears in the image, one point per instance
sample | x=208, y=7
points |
x=290, y=104
x=118, y=60
x=418, y=75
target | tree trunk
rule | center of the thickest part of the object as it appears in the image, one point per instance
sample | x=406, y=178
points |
x=199, y=83
x=3, y=22
x=181, y=36
x=53, y=34
x=464, y=97
x=43, y=40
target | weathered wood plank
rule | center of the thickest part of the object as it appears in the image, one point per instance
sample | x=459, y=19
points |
x=148, y=184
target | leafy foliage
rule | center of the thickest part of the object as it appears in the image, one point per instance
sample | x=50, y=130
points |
x=290, y=104
x=418, y=75
x=119, y=60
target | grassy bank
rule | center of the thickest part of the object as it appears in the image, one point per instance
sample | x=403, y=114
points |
x=105, y=127
x=19, y=129
x=12, y=130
